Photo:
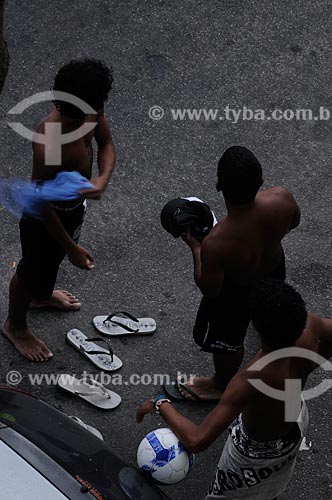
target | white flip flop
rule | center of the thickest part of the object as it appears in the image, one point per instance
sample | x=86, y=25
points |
x=113, y=324
x=101, y=357
x=89, y=428
x=90, y=390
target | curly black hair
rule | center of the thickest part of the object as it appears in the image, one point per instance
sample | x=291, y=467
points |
x=239, y=175
x=278, y=313
x=89, y=79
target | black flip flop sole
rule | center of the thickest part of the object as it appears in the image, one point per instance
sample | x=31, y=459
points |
x=173, y=392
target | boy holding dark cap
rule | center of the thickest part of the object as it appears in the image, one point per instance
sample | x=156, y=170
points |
x=244, y=247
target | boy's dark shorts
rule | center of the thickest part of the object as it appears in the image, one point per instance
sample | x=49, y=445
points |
x=222, y=322
x=42, y=254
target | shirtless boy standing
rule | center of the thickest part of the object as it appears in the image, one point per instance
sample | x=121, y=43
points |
x=45, y=243
x=244, y=247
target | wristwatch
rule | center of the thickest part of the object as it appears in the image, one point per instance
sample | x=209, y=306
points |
x=159, y=401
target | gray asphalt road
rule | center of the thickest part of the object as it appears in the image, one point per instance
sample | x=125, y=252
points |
x=176, y=55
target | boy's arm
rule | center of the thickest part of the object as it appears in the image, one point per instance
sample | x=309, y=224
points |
x=106, y=158
x=4, y=55
x=197, y=438
x=208, y=274
x=289, y=206
x=296, y=214
x=325, y=338
x=317, y=335
x=77, y=255
x=212, y=273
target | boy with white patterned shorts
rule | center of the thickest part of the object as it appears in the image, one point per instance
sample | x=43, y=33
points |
x=259, y=456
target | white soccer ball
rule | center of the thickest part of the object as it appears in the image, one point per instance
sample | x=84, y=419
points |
x=161, y=456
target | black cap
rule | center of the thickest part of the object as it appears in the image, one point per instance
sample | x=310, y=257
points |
x=180, y=214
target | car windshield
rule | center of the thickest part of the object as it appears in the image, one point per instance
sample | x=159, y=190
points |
x=86, y=458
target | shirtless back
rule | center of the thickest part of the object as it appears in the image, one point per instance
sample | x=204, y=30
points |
x=264, y=417
x=246, y=244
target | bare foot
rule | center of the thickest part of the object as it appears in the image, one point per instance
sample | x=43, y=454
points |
x=204, y=387
x=61, y=299
x=26, y=343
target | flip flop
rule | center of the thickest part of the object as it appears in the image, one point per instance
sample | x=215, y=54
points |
x=90, y=390
x=127, y=325
x=173, y=391
x=89, y=428
x=101, y=357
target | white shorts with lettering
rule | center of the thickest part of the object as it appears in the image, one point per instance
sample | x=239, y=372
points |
x=251, y=470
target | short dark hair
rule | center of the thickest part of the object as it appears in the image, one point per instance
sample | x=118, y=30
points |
x=278, y=313
x=239, y=175
x=89, y=79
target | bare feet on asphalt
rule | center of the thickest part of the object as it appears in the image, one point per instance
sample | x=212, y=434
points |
x=26, y=343
x=61, y=299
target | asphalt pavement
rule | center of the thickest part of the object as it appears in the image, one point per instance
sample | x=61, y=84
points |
x=202, y=54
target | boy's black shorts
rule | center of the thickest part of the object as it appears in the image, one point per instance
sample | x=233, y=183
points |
x=222, y=322
x=42, y=254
